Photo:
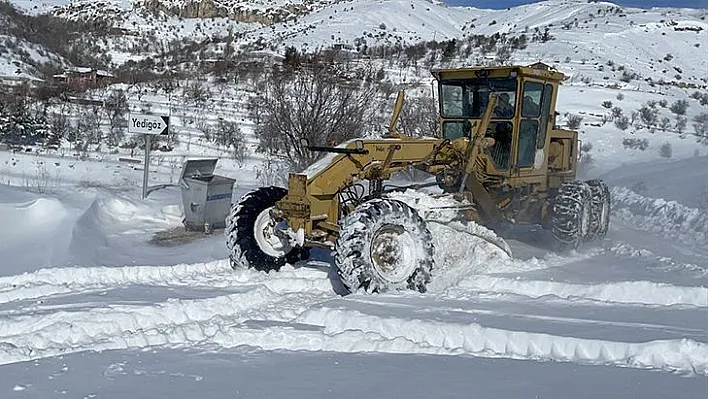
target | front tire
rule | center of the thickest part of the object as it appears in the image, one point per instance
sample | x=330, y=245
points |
x=249, y=233
x=384, y=245
x=571, y=215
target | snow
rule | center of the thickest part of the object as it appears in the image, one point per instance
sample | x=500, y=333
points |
x=645, y=293
x=91, y=305
x=537, y=315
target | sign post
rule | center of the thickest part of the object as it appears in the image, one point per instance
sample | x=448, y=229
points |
x=148, y=126
x=146, y=169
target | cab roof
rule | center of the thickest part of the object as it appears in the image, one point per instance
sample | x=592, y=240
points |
x=537, y=70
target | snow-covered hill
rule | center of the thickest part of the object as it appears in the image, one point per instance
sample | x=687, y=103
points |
x=595, y=32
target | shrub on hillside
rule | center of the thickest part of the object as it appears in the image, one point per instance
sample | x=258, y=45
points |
x=666, y=150
x=622, y=122
x=616, y=112
x=635, y=144
x=573, y=121
x=679, y=107
x=628, y=76
x=700, y=127
x=648, y=115
x=701, y=97
x=681, y=123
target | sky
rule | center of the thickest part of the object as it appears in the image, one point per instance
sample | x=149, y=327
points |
x=628, y=3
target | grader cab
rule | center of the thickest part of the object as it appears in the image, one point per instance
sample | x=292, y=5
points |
x=501, y=154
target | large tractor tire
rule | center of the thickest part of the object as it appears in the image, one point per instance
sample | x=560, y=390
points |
x=600, y=209
x=384, y=245
x=572, y=210
x=249, y=233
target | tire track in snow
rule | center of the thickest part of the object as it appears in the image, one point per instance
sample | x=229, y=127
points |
x=473, y=311
x=51, y=281
x=627, y=292
x=75, y=280
x=682, y=355
x=661, y=263
x=220, y=321
x=172, y=322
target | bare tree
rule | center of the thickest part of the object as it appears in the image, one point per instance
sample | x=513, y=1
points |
x=116, y=108
x=313, y=103
x=60, y=124
x=197, y=92
x=573, y=121
x=229, y=135
x=419, y=117
x=700, y=126
x=89, y=127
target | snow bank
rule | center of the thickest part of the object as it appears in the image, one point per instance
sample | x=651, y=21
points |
x=668, y=218
x=676, y=355
x=663, y=263
x=630, y=292
x=21, y=219
x=219, y=274
x=173, y=322
x=111, y=210
x=51, y=281
x=33, y=233
x=220, y=321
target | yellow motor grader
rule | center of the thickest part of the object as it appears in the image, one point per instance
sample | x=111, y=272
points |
x=501, y=154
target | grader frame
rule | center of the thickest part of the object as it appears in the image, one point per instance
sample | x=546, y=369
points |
x=313, y=205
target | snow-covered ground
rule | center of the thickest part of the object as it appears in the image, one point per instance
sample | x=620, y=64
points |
x=90, y=306
x=93, y=303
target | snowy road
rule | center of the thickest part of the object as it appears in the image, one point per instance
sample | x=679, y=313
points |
x=631, y=311
x=73, y=309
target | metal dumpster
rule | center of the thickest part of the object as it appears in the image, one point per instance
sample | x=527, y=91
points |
x=206, y=197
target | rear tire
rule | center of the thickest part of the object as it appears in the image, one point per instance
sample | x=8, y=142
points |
x=384, y=245
x=251, y=248
x=571, y=215
x=600, y=209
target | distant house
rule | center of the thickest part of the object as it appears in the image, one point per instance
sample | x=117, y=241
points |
x=85, y=78
x=19, y=79
x=266, y=57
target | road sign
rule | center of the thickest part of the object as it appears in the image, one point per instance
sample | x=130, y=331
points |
x=148, y=124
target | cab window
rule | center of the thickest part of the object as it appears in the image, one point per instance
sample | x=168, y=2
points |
x=531, y=101
x=454, y=130
x=469, y=98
